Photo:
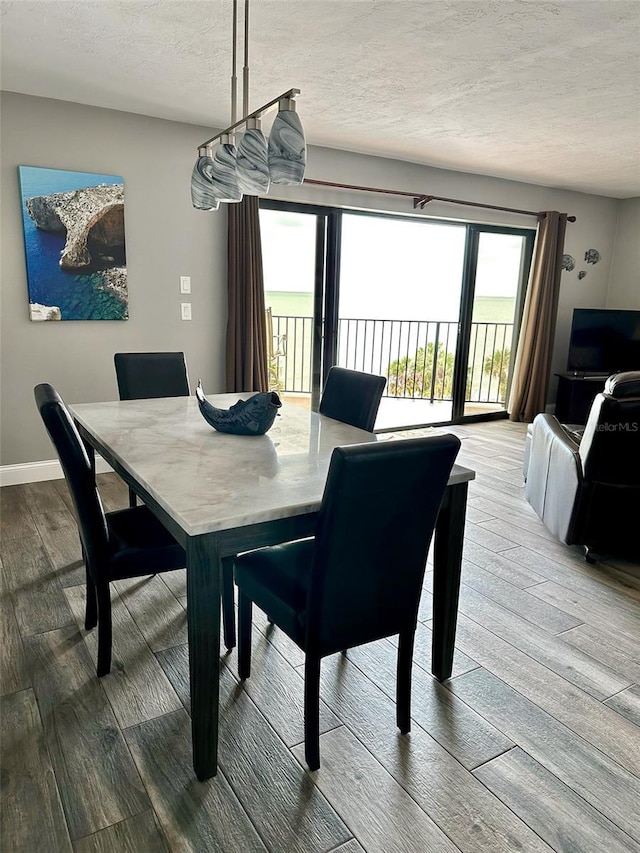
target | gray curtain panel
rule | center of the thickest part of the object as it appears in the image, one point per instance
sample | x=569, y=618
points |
x=246, y=332
x=535, y=346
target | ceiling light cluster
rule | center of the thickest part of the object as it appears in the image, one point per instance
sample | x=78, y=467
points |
x=229, y=172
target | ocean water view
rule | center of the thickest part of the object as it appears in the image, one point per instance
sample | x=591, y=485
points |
x=78, y=296
x=486, y=309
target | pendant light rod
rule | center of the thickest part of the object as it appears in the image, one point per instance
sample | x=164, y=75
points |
x=291, y=94
x=234, y=79
x=245, y=70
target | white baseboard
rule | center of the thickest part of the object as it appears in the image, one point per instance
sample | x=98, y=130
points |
x=37, y=472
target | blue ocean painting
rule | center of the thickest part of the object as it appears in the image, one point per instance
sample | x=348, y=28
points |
x=74, y=244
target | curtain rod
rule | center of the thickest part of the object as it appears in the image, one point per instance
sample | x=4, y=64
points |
x=419, y=199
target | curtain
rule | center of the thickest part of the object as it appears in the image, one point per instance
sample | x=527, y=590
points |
x=246, y=332
x=535, y=345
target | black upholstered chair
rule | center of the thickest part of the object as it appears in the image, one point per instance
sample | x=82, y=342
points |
x=144, y=375
x=124, y=544
x=586, y=487
x=360, y=578
x=147, y=375
x=352, y=397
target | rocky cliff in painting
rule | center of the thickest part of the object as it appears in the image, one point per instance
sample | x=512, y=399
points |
x=44, y=312
x=93, y=219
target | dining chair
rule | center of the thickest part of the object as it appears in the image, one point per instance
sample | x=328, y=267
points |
x=148, y=375
x=360, y=578
x=352, y=397
x=144, y=375
x=123, y=544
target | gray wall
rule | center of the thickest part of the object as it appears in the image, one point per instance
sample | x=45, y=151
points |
x=624, y=280
x=166, y=238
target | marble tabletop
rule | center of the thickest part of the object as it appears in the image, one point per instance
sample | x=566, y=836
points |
x=209, y=481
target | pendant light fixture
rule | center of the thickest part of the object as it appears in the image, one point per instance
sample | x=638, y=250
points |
x=224, y=176
x=252, y=161
x=202, y=193
x=254, y=165
x=287, y=148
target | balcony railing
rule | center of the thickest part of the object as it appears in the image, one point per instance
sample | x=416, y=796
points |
x=416, y=356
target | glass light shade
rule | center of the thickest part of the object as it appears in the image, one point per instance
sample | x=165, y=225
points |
x=202, y=194
x=252, y=163
x=224, y=176
x=287, y=149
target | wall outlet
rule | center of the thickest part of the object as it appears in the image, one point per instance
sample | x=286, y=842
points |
x=185, y=310
x=185, y=284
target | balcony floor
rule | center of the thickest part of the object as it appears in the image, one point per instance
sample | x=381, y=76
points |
x=400, y=413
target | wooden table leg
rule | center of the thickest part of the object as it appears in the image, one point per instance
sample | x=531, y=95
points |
x=203, y=615
x=447, y=565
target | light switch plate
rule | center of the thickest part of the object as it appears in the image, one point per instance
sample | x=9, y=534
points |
x=185, y=310
x=185, y=284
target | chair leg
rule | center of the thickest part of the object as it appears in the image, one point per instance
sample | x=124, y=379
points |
x=403, y=681
x=104, y=629
x=312, y=711
x=133, y=500
x=91, y=606
x=244, y=635
x=228, y=610
x=589, y=556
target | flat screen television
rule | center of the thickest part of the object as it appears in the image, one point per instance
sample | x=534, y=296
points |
x=604, y=341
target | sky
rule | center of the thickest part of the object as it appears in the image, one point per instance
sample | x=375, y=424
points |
x=390, y=268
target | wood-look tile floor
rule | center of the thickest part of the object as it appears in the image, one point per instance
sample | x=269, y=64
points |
x=533, y=745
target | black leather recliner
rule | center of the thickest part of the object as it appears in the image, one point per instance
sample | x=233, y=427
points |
x=587, y=489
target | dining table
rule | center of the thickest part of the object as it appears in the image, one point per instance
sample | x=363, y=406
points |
x=221, y=494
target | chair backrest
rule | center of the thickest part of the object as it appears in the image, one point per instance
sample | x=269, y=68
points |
x=144, y=375
x=78, y=473
x=375, y=524
x=352, y=397
x=610, y=445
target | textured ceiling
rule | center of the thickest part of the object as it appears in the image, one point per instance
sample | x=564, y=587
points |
x=541, y=92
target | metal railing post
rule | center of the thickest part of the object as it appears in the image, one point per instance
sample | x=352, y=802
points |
x=434, y=366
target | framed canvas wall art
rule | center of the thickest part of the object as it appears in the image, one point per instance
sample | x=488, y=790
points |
x=75, y=244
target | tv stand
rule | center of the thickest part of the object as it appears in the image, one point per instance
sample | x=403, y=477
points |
x=576, y=393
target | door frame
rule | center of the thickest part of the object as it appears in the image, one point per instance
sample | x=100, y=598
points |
x=469, y=272
x=326, y=297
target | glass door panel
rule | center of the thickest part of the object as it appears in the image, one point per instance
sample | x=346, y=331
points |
x=502, y=261
x=289, y=243
x=398, y=311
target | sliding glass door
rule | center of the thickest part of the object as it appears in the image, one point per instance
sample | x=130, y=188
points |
x=398, y=310
x=291, y=242
x=501, y=260
x=434, y=306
